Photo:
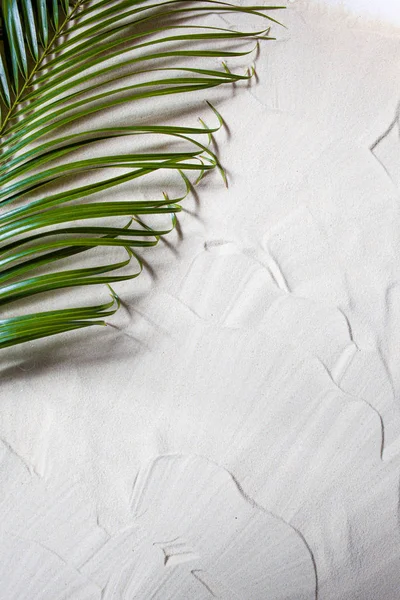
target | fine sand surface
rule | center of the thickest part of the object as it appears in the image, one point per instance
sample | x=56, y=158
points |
x=236, y=433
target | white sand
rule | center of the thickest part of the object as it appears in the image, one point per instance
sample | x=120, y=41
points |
x=238, y=435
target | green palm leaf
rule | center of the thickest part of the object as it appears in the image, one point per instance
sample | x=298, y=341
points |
x=62, y=63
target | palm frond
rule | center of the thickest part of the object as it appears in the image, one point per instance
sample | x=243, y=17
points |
x=61, y=64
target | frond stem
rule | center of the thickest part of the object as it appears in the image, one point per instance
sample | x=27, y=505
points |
x=37, y=66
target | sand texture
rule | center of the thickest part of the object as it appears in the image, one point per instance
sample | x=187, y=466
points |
x=236, y=433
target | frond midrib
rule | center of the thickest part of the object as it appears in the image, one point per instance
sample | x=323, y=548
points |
x=50, y=47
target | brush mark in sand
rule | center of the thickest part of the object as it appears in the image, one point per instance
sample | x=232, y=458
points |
x=216, y=525
x=176, y=552
x=307, y=263
x=210, y=493
x=393, y=128
x=268, y=294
